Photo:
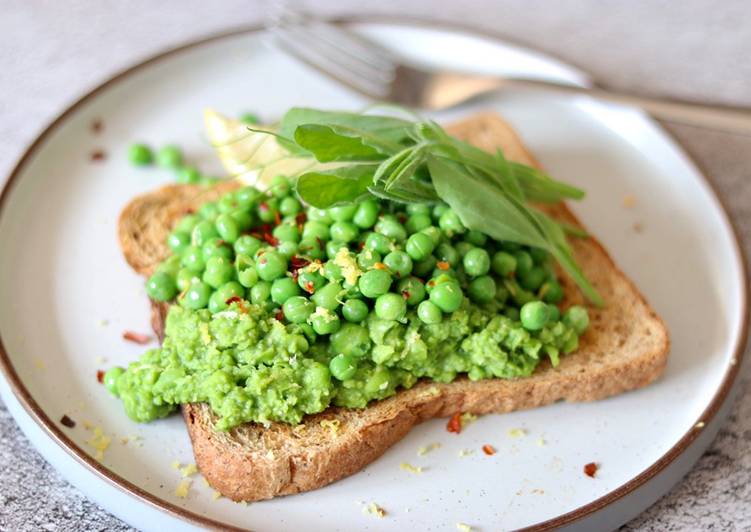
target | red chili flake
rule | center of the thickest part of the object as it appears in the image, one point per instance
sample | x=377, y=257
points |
x=100, y=376
x=277, y=217
x=300, y=219
x=590, y=469
x=380, y=266
x=279, y=315
x=66, y=421
x=455, y=423
x=97, y=126
x=295, y=263
x=431, y=283
x=488, y=449
x=401, y=217
x=309, y=287
x=406, y=294
x=233, y=299
x=256, y=235
x=361, y=245
x=263, y=206
x=98, y=156
x=136, y=337
x=442, y=265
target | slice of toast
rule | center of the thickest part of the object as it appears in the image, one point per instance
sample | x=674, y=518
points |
x=625, y=348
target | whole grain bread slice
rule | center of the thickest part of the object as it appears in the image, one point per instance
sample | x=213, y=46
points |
x=625, y=348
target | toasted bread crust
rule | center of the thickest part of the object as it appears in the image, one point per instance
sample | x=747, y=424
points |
x=625, y=348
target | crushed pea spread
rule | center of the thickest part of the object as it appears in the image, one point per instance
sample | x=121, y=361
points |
x=264, y=328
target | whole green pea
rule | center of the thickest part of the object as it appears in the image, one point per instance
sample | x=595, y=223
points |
x=438, y=211
x=524, y=263
x=185, y=278
x=354, y=310
x=476, y=238
x=310, y=281
x=140, y=155
x=482, y=289
x=422, y=268
x=196, y=296
x=271, y=265
x=332, y=248
x=178, y=241
x=448, y=296
x=577, y=318
x=267, y=210
x=374, y=283
x=351, y=340
x=429, y=313
x=246, y=271
x=412, y=290
x=169, y=156
x=260, y=293
x=553, y=313
x=110, y=379
x=328, y=296
x=192, y=259
x=343, y=232
x=533, y=279
x=435, y=234
x=463, y=248
x=319, y=215
x=315, y=230
x=534, y=315
x=243, y=219
x=378, y=242
x=445, y=252
x=476, y=262
x=390, y=306
x=227, y=228
x=219, y=270
x=332, y=272
x=503, y=264
x=325, y=322
x=368, y=258
x=450, y=223
x=418, y=208
x=419, y=246
x=209, y=211
x=366, y=214
x=297, y=309
x=418, y=222
x=343, y=367
x=247, y=245
x=343, y=213
x=551, y=292
x=289, y=206
x=280, y=186
x=187, y=223
x=226, y=292
x=287, y=249
x=287, y=232
x=227, y=203
x=310, y=248
x=216, y=247
x=391, y=229
x=247, y=197
x=282, y=289
x=202, y=232
x=188, y=175
x=399, y=263
x=161, y=287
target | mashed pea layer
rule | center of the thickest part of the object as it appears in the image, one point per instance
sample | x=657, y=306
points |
x=251, y=367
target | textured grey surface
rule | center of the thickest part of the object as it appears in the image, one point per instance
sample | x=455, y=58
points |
x=51, y=52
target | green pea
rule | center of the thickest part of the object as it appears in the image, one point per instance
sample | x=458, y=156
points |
x=170, y=266
x=251, y=119
x=332, y=272
x=366, y=214
x=450, y=223
x=188, y=175
x=140, y=155
x=429, y=313
x=418, y=208
x=319, y=215
x=227, y=203
x=434, y=233
x=192, y=259
x=110, y=379
x=311, y=248
x=422, y=268
x=279, y=186
x=539, y=255
x=448, y=296
x=368, y=258
x=332, y=248
x=343, y=232
x=390, y=306
x=354, y=310
x=482, y=289
x=463, y=248
x=343, y=367
x=297, y=309
x=391, y=229
x=378, y=381
x=577, y=318
x=247, y=197
x=501, y=293
x=282, y=289
x=169, y=156
x=227, y=228
x=267, y=210
x=503, y=264
x=553, y=314
x=350, y=340
x=216, y=247
x=209, y=211
x=287, y=249
x=185, y=278
x=533, y=279
x=246, y=271
x=438, y=211
x=202, y=232
x=314, y=230
x=378, y=242
x=310, y=281
x=325, y=322
x=419, y=246
x=551, y=292
x=218, y=300
x=343, y=213
x=447, y=253
x=219, y=270
x=418, y=222
x=289, y=206
x=512, y=313
x=178, y=240
x=196, y=296
x=534, y=315
x=440, y=276
x=476, y=238
x=476, y=262
x=260, y=293
x=287, y=232
x=187, y=223
x=374, y=283
x=243, y=219
x=161, y=287
x=399, y=263
x=412, y=290
x=524, y=262
x=247, y=245
x=271, y=265
x=328, y=296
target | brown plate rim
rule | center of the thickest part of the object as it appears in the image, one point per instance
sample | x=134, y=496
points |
x=50, y=427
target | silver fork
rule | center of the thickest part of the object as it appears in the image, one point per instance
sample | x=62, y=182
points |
x=377, y=73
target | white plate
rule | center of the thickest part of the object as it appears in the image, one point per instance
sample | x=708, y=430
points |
x=61, y=274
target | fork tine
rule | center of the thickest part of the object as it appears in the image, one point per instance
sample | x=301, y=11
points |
x=355, y=45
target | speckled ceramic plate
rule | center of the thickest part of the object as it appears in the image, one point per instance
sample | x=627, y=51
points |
x=66, y=296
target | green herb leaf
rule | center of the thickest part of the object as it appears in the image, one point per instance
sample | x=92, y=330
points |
x=327, y=145
x=326, y=188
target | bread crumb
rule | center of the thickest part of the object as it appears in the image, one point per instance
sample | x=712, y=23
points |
x=124, y=440
x=100, y=442
x=216, y=495
x=638, y=227
x=463, y=527
x=270, y=455
x=517, y=433
x=183, y=488
x=699, y=425
x=374, y=510
x=87, y=425
x=189, y=470
x=538, y=491
x=541, y=442
x=629, y=201
x=425, y=449
x=332, y=424
x=409, y=467
x=465, y=452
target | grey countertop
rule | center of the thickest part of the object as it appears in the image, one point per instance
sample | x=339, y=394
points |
x=52, y=52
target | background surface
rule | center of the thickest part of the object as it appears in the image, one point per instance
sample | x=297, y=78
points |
x=52, y=52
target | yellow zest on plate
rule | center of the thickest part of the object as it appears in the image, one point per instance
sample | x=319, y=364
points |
x=410, y=468
x=425, y=449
